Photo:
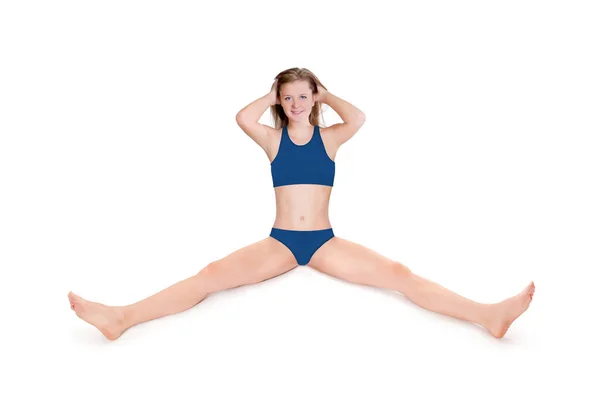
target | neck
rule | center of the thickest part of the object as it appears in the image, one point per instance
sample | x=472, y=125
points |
x=304, y=125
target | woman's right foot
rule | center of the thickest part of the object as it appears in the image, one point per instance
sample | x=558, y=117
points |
x=109, y=320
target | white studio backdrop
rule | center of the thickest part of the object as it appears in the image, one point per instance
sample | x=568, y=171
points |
x=123, y=171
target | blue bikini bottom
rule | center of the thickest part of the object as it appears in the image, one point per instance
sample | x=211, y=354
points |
x=302, y=244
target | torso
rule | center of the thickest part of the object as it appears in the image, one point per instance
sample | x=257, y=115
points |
x=302, y=207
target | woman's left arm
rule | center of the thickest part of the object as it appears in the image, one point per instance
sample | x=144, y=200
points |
x=353, y=117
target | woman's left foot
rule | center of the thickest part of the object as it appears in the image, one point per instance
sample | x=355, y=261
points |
x=503, y=314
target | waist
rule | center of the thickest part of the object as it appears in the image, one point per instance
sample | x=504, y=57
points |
x=302, y=207
x=314, y=225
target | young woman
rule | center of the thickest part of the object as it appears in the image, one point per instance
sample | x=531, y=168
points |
x=303, y=169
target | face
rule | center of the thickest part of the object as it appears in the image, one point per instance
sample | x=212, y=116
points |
x=297, y=100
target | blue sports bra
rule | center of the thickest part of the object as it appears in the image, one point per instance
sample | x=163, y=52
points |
x=304, y=164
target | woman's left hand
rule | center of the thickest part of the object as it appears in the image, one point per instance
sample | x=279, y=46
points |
x=321, y=94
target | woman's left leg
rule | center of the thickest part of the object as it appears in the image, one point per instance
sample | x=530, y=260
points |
x=355, y=263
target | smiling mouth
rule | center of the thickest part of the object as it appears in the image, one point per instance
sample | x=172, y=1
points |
x=296, y=112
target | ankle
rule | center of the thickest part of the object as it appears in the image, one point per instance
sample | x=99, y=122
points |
x=488, y=313
x=126, y=316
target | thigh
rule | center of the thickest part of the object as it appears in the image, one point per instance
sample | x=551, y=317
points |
x=356, y=263
x=254, y=263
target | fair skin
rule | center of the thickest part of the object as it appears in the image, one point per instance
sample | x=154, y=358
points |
x=302, y=207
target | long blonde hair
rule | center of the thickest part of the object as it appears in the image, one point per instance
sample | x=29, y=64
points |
x=293, y=75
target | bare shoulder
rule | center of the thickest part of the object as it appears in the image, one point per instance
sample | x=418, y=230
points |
x=338, y=134
x=262, y=134
x=274, y=142
x=331, y=146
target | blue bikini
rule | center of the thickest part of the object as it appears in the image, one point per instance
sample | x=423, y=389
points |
x=308, y=163
x=302, y=164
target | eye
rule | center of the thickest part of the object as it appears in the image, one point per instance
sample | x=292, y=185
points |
x=287, y=97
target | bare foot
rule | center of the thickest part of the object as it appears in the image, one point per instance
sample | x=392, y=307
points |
x=504, y=313
x=109, y=320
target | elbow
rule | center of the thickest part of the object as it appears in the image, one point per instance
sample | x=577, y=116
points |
x=239, y=118
x=244, y=117
x=360, y=118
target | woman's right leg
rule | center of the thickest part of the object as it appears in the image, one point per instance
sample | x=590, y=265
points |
x=251, y=264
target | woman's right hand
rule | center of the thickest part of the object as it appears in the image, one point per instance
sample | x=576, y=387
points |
x=274, y=95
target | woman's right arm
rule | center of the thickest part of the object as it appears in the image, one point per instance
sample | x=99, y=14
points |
x=247, y=118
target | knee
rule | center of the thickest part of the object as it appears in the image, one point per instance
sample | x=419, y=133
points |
x=209, y=274
x=208, y=268
x=211, y=270
x=401, y=272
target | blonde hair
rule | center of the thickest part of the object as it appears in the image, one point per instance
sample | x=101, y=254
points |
x=293, y=75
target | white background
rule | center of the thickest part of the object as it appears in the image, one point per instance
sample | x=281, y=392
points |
x=122, y=171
